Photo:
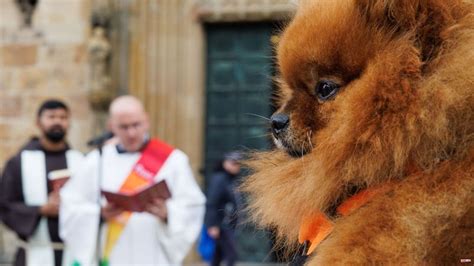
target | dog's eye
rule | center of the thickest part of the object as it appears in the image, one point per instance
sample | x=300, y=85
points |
x=326, y=89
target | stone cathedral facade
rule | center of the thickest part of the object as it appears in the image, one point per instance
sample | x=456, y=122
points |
x=156, y=50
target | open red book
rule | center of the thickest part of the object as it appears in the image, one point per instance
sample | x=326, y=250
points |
x=58, y=178
x=137, y=201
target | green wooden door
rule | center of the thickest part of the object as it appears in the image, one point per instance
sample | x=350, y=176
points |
x=239, y=69
x=239, y=87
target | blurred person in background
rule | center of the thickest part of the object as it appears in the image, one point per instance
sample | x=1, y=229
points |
x=30, y=200
x=164, y=232
x=222, y=208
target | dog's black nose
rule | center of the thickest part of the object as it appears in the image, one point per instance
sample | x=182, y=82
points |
x=279, y=122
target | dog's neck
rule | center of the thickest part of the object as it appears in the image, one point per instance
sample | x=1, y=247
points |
x=352, y=190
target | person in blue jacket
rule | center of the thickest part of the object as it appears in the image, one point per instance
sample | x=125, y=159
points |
x=222, y=208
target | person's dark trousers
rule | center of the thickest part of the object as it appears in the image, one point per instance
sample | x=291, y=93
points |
x=226, y=249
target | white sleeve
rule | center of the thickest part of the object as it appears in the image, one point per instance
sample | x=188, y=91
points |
x=185, y=211
x=79, y=214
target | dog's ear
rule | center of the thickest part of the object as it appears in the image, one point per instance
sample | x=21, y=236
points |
x=406, y=15
x=424, y=20
x=398, y=14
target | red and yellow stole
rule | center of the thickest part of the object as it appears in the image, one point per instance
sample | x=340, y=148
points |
x=143, y=173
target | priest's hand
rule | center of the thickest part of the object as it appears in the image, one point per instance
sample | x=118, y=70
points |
x=214, y=232
x=158, y=208
x=110, y=211
x=51, y=208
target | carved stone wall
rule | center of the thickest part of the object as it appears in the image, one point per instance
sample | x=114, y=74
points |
x=46, y=60
x=166, y=71
x=244, y=10
x=158, y=54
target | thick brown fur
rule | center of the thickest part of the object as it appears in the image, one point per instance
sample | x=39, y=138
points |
x=406, y=102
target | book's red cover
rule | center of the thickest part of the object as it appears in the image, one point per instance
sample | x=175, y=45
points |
x=58, y=178
x=137, y=202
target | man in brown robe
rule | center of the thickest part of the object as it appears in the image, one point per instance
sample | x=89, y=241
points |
x=29, y=198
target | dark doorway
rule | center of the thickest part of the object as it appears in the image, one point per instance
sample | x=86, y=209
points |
x=239, y=90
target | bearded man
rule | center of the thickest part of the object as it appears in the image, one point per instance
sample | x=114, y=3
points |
x=30, y=196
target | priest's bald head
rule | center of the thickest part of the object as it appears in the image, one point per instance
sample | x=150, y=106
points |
x=129, y=122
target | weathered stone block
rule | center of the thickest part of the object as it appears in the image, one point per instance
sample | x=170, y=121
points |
x=10, y=106
x=16, y=130
x=80, y=107
x=48, y=60
x=67, y=80
x=18, y=54
x=31, y=79
x=60, y=54
x=50, y=12
x=5, y=131
x=10, y=16
x=6, y=79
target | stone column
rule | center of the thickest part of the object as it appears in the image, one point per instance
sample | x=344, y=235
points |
x=167, y=71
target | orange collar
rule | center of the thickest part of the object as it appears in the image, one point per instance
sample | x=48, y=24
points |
x=315, y=228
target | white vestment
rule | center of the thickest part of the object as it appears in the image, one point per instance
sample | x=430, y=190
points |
x=145, y=240
x=39, y=248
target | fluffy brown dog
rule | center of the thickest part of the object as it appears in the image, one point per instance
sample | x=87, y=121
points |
x=374, y=93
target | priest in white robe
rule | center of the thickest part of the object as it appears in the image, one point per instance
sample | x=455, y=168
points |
x=164, y=232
